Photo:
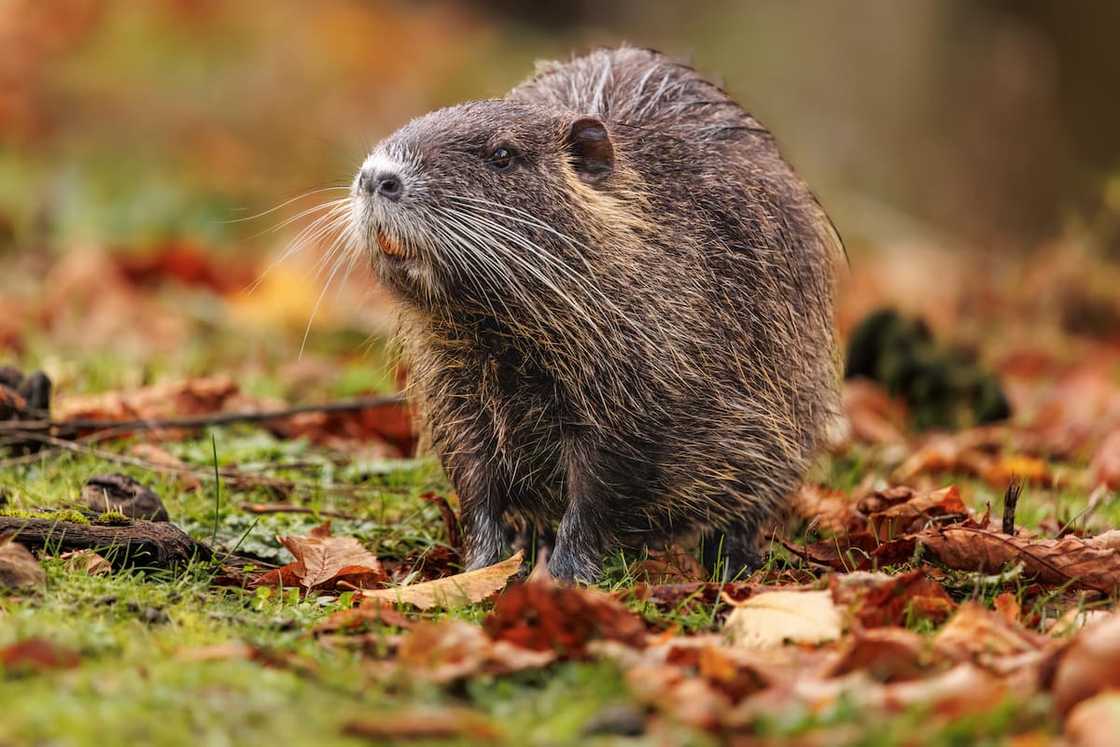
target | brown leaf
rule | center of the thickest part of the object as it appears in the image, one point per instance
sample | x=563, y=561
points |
x=162, y=458
x=912, y=515
x=1094, y=722
x=830, y=510
x=453, y=591
x=873, y=415
x=1008, y=608
x=87, y=562
x=391, y=424
x=886, y=654
x=323, y=560
x=18, y=567
x=542, y=615
x=1106, y=462
x=978, y=634
x=1082, y=563
x=37, y=655
x=878, y=600
x=773, y=618
x=427, y=724
x=672, y=565
x=370, y=612
x=452, y=649
x=1090, y=665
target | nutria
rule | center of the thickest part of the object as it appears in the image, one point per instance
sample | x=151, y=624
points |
x=616, y=308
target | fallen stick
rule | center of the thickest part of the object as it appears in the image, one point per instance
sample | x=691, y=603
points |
x=201, y=421
x=284, y=508
x=154, y=544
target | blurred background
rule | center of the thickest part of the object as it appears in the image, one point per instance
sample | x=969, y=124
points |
x=957, y=144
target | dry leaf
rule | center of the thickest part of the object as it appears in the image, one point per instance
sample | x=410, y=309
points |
x=453, y=591
x=323, y=560
x=1090, y=665
x=1095, y=722
x=885, y=654
x=452, y=649
x=915, y=513
x=87, y=562
x=18, y=567
x=979, y=634
x=1092, y=563
x=878, y=599
x=830, y=510
x=873, y=415
x=777, y=617
x=37, y=654
x=542, y=615
x=1106, y=462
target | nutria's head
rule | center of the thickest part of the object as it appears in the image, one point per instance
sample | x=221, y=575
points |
x=483, y=204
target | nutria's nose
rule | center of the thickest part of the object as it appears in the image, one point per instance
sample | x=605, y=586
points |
x=383, y=184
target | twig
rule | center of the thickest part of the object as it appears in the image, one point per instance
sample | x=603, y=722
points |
x=1010, y=500
x=282, y=508
x=200, y=421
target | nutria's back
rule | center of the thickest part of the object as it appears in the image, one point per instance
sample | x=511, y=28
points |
x=617, y=306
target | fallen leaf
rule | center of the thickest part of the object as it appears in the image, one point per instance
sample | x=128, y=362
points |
x=873, y=415
x=427, y=724
x=980, y=635
x=1092, y=563
x=777, y=617
x=1094, y=722
x=1106, y=462
x=885, y=654
x=1089, y=666
x=391, y=424
x=830, y=510
x=963, y=689
x=542, y=615
x=878, y=599
x=452, y=649
x=87, y=562
x=370, y=612
x=453, y=591
x=323, y=560
x=37, y=655
x=904, y=518
x=1008, y=608
x=18, y=567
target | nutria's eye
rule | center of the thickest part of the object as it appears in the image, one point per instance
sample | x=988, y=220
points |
x=501, y=159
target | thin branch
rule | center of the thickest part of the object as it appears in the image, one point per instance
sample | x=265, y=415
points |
x=201, y=421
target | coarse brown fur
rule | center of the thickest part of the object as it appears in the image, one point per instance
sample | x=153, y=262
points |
x=622, y=330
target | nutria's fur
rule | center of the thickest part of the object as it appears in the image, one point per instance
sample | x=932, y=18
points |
x=617, y=307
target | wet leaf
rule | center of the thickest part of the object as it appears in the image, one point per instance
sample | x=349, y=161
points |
x=778, y=617
x=453, y=591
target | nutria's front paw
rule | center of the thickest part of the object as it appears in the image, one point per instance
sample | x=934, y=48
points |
x=570, y=568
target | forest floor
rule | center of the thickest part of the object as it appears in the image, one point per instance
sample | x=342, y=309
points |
x=903, y=602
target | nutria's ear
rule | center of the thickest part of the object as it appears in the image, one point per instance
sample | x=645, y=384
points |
x=590, y=148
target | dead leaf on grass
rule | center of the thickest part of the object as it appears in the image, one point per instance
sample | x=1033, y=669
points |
x=1106, y=462
x=541, y=615
x=895, y=521
x=324, y=561
x=878, y=599
x=452, y=649
x=1094, y=722
x=1092, y=563
x=37, y=655
x=777, y=617
x=983, y=636
x=87, y=562
x=1089, y=666
x=453, y=591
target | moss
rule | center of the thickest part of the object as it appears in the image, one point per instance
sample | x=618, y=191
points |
x=63, y=514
